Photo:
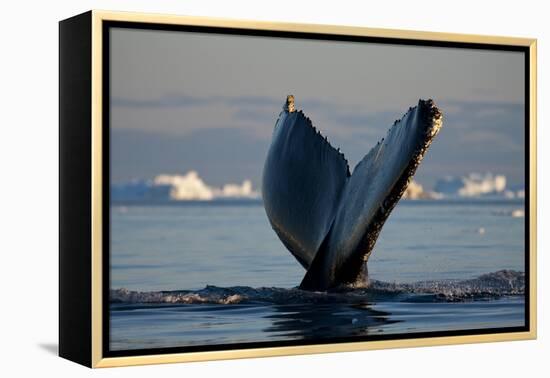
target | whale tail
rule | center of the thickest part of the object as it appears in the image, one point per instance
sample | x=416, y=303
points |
x=328, y=218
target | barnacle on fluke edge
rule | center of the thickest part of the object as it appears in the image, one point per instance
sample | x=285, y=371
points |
x=328, y=218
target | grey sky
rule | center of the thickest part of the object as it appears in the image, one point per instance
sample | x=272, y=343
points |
x=208, y=102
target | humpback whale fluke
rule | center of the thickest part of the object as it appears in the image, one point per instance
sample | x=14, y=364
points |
x=328, y=218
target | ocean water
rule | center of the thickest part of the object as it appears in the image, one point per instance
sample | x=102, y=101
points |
x=190, y=274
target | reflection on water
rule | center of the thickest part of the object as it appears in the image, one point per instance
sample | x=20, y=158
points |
x=324, y=321
x=143, y=326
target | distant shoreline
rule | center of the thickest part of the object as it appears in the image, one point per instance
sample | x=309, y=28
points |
x=258, y=202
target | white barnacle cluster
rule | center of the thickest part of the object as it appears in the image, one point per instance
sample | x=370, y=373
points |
x=289, y=104
x=437, y=120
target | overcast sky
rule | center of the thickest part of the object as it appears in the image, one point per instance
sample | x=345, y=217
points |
x=208, y=102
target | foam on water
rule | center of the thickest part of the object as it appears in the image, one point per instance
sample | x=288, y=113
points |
x=490, y=285
x=496, y=284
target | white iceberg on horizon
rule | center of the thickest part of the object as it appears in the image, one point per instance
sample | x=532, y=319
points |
x=185, y=188
x=176, y=187
x=415, y=191
x=472, y=185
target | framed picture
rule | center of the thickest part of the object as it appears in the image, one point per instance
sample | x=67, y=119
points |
x=235, y=189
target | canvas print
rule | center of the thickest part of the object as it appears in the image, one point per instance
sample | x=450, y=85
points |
x=279, y=190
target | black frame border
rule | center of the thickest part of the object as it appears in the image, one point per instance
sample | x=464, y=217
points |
x=107, y=25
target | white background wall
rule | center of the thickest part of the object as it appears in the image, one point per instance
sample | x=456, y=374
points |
x=29, y=174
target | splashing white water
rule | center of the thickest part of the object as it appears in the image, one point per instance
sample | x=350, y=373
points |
x=491, y=285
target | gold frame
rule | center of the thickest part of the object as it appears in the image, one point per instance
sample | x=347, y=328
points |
x=97, y=323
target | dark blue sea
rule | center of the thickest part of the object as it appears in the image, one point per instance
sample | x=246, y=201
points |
x=191, y=273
